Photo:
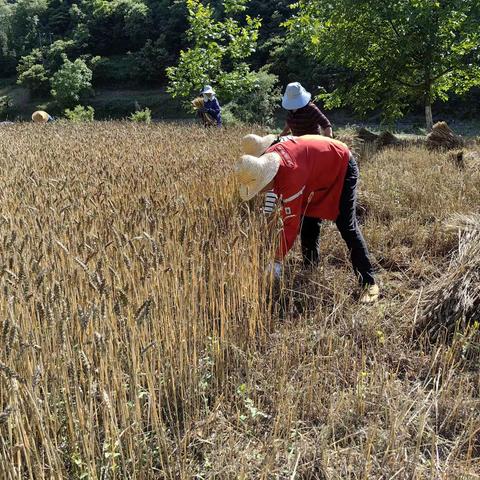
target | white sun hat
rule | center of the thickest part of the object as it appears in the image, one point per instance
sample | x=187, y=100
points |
x=255, y=144
x=255, y=173
x=295, y=97
x=207, y=89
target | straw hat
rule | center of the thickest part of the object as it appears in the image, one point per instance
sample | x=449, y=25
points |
x=255, y=173
x=255, y=145
x=295, y=97
x=207, y=89
x=40, y=116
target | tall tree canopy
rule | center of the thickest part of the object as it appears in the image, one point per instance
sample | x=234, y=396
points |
x=398, y=51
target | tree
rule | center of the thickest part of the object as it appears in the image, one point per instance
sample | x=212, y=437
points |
x=218, y=52
x=398, y=50
x=32, y=73
x=71, y=82
x=115, y=26
x=25, y=29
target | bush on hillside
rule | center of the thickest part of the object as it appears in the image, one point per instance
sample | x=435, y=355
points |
x=257, y=102
x=32, y=73
x=115, y=70
x=142, y=116
x=80, y=114
x=71, y=82
x=151, y=61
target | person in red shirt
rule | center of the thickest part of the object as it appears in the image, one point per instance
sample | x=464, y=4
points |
x=315, y=178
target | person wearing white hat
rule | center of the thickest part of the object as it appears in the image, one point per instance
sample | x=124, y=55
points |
x=304, y=117
x=315, y=179
x=211, y=105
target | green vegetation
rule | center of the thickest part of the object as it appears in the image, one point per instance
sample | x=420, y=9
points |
x=392, y=58
x=397, y=52
x=142, y=116
x=71, y=82
x=226, y=45
x=80, y=114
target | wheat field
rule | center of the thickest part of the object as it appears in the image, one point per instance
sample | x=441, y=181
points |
x=141, y=340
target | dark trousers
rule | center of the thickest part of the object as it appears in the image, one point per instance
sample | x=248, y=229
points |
x=348, y=227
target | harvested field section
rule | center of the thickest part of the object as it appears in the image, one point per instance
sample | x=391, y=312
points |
x=140, y=339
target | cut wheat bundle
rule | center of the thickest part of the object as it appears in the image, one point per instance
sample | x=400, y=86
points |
x=442, y=137
x=206, y=119
x=366, y=142
x=197, y=103
x=453, y=301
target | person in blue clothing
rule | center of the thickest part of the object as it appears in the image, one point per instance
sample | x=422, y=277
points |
x=211, y=105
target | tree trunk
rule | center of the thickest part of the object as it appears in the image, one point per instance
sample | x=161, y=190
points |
x=428, y=116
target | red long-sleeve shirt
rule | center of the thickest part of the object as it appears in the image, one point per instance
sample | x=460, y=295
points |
x=309, y=182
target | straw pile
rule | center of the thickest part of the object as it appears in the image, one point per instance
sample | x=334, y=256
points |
x=442, y=137
x=384, y=139
x=453, y=301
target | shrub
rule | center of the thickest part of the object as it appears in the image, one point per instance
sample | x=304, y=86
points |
x=32, y=73
x=228, y=117
x=152, y=60
x=116, y=70
x=258, y=102
x=71, y=82
x=6, y=104
x=80, y=114
x=140, y=116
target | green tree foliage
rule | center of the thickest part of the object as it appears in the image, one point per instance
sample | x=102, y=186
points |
x=115, y=26
x=258, y=105
x=152, y=60
x=389, y=55
x=71, y=82
x=398, y=50
x=32, y=73
x=26, y=26
x=36, y=69
x=219, y=51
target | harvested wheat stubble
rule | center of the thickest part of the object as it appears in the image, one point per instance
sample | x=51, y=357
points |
x=136, y=341
x=453, y=301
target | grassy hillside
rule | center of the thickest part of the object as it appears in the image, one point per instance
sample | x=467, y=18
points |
x=118, y=103
x=141, y=339
x=108, y=103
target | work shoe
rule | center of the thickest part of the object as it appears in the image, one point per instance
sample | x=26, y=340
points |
x=370, y=294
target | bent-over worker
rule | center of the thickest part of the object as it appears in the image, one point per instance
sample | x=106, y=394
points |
x=315, y=178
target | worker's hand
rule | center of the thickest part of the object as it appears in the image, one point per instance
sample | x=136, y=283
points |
x=276, y=268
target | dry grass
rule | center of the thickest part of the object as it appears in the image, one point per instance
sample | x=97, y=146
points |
x=137, y=341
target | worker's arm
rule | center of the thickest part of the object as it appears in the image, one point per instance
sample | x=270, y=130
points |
x=270, y=202
x=328, y=132
x=286, y=130
x=323, y=121
x=213, y=108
